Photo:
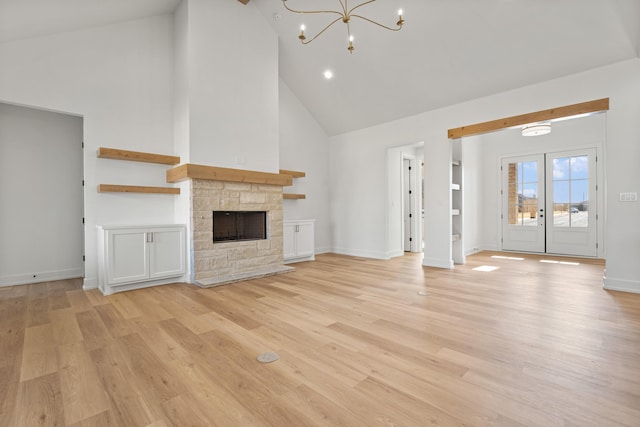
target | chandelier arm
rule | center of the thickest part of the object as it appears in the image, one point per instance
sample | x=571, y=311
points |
x=323, y=30
x=344, y=6
x=361, y=4
x=377, y=23
x=284, y=3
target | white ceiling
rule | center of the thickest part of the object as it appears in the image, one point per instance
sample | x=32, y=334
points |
x=449, y=51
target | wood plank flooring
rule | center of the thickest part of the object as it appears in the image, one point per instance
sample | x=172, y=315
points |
x=529, y=344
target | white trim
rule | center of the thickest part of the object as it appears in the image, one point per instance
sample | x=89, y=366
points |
x=43, y=276
x=438, y=263
x=621, y=285
x=89, y=284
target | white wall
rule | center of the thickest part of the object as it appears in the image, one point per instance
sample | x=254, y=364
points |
x=233, y=86
x=359, y=158
x=41, y=217
x=119, y=78
x=305, y=147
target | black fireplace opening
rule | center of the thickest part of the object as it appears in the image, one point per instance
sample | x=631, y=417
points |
x=229, y=226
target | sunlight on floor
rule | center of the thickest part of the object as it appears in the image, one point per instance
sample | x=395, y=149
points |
x=507, y=257
x=486, y=268
x=552, y=261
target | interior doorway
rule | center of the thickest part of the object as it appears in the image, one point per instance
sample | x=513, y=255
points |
x=404, y=199
x=41, y=184
x=549, y=203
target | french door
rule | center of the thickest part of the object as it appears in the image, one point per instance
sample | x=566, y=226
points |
x=549, y=203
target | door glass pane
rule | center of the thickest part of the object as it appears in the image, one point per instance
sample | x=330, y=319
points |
x=522, y=188
x=529, y=203
x=580, y=167
x=561, y=203
x=561, y=168
x=580, y=203
x=570, y=191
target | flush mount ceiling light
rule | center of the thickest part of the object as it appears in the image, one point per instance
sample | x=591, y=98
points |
x=345, y=16
x=536, y=129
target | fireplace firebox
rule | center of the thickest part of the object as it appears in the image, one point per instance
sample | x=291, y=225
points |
x=229, y=226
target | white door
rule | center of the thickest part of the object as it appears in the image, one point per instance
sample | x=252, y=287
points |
x=523, y=218
x=549, y=203
x=127, y=256
x=571, y=203
x=166, y=252
x=289, y=240
x=305, y=245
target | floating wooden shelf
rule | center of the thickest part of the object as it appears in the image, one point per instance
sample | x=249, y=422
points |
x=293, y=196
x=137, y=156
x=295, y=174
x=114, y=188
x=214, y=173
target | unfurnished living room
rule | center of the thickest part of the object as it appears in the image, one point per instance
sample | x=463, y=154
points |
x=319, y=213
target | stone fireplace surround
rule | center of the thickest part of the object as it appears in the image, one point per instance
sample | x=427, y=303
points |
x=215, y=188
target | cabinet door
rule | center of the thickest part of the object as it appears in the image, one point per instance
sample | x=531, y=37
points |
x=127, y=256
x=289, y=241
x=166, y=252
x=305, y=240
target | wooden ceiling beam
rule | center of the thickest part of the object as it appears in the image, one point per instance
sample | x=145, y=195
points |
x=523, y=119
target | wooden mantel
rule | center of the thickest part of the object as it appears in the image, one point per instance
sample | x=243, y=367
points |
x=214, y=173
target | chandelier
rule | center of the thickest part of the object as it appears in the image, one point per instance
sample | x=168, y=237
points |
x=345, y=16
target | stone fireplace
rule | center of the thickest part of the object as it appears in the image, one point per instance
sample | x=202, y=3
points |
x=217, y=263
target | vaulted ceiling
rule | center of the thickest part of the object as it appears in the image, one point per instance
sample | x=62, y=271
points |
x=449, y=51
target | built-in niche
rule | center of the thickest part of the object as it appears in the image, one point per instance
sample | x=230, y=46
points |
x=230, y=226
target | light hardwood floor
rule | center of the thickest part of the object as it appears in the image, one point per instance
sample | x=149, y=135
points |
x=531, y=343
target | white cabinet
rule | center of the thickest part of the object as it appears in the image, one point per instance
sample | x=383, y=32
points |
x=131, y=257
x=299, y=241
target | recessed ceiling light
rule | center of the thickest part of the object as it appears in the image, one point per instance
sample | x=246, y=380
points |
x=328, y=74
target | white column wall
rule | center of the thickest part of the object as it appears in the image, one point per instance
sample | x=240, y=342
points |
x=233, y=86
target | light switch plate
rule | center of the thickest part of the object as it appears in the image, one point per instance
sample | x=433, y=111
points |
x=629, y=197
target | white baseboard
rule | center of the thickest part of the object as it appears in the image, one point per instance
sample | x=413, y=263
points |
x=38, y=277
x=322, y=251
x=437, y=262
x=621, y=285
x=90, y=283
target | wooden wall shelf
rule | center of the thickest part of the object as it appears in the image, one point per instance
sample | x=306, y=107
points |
x=137, y=156
x=114, y=188
x=293, y=196
x=214, y=173
x=294, y=174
